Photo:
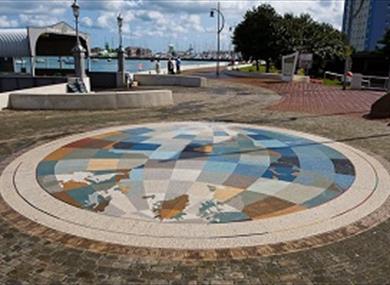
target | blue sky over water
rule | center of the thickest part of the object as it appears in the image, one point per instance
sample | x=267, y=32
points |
x=156, y=23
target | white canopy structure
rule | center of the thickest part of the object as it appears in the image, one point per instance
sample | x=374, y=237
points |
x=55, y=40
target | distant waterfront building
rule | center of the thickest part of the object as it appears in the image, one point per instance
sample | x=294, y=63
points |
x=171, y=50
x=138, y=52
x=366, y=28
x=96, y=51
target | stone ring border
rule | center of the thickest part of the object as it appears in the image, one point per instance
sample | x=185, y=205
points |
x=22, y=206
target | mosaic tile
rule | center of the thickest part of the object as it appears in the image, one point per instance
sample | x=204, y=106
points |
x=85, y=153
x=46, y=168
x=184, y=137
x=213, y=177
x=164, y=155
x=177, y=188
x=60, y=153
x=190, y=164
x=185, y=174
x=137, y=174
x=249, y=170
x=89, y=143
x=130, y=163
x=262, y=208
x=239, y=181
x=220, y=167
x=343, y=166
x=138, y=131
x=245, y=198
x=65, y=197
x=102, y=164
x=330, y=193
x=223, y=194
x=268, y=186
x=81, y=195
x=195, y=173
x=270, y=144
x=289, y=193
x=51, y=182
x=343, y=181
x=255, y=158
x=69, y=166
x=157, y=173
x=201, y=191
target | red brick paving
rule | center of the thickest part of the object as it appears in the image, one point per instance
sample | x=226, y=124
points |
x=317, y=98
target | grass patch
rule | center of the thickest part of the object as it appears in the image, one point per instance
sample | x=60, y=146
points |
x=252, y=68
x=332, y=82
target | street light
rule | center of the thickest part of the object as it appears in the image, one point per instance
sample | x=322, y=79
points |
x=220, y=27
x=232, y=55
x=119, y=20
x=121, y=55
x=78, y=50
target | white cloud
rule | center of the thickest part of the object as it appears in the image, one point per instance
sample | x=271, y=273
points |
x=329, y=11
x=86, y=21
x=162, y=19
x=6, y=22
x=105, y=20
x=37, y=20
x=15, y=7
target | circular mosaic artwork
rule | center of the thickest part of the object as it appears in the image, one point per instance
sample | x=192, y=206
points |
x=200, y=173
x=195, y=185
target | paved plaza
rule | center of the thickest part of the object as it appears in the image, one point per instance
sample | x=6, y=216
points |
x=317, y=98
x=221, y=188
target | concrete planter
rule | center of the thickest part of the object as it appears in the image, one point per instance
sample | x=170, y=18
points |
x=91, y=101
x=170, y=80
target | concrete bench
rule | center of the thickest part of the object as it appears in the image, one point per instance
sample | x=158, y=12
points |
x=91, y=101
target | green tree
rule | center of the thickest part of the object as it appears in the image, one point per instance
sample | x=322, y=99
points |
x=256, y=36
x=385, y=44
x=265, y=35
x=303, y=34
x=295, y=33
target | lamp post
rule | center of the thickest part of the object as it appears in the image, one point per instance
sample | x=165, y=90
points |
x=121, y=54
x=78, y=50
x=220, y=27
x=232, y=55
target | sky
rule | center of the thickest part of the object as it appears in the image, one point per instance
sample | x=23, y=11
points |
x=157, y=23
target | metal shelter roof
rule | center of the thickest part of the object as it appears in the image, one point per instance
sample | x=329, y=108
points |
x=23, y=42
x=14, y=43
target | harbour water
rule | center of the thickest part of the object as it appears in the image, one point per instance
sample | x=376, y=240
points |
x=109, y=65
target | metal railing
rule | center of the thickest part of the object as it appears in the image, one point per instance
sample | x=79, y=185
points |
x=369, y=82
x=375, y=82
x=333, y=76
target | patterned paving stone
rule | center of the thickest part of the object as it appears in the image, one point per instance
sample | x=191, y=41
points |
x=317, y=98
